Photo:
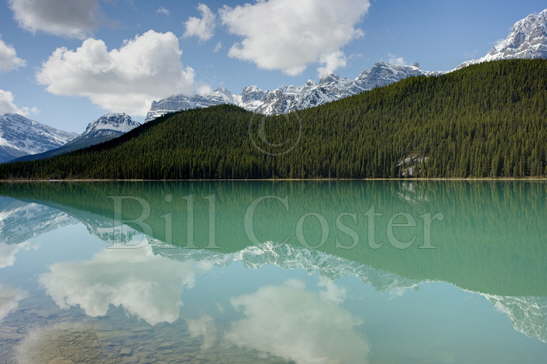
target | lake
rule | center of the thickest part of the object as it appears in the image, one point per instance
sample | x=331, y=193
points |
x=273, y=272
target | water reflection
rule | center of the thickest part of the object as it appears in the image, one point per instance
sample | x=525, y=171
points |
x=146, y=285
x=302, y=326
x=9, y=299
x=492, y=241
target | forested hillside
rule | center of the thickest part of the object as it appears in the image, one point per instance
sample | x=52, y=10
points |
x=486, y=120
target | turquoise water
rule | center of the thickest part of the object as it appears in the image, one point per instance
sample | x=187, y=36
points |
x=262, y=272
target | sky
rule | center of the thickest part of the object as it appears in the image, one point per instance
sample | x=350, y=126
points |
x=66, y=63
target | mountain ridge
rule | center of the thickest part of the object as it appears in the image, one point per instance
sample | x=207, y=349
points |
x=290, y=98
x=105, y=128
x=20, y=136
x=486, y=120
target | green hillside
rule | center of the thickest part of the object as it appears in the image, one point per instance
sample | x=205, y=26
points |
x=487, y=120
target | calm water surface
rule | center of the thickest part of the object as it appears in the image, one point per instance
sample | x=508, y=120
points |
x=305, y=273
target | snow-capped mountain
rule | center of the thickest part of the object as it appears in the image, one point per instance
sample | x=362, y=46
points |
x=527, y=39
x=290, y=98
x=103, y=129
x=21, y=136
x=109, y=125
x=181, y=102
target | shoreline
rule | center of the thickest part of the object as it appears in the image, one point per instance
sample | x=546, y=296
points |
x=417, y=179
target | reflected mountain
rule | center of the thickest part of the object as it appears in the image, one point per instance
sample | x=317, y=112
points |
x=17, y=216
x=490, y=240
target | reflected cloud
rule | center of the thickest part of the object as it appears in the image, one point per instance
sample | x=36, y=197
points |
x=205, y=328
x=293, y=323
x=9, y=299
x=331, y=292
x=8, y=253
x=145, y=285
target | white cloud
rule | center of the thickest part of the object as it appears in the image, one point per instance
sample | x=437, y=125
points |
x=145, y=285
x=126, y=79
x=289, y=35
x=203, y=27
x=9, y=299
x=74, y=19
x=331, y=62
x=399, y=61
x=163, y=11
x=7, y=105
x=331, y=292
x=290, y=322
x=8, y=58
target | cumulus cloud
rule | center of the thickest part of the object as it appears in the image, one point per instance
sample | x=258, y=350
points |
x=126, y=79
x=203, y=27
x=289, y=35
x=7, y=105
x=298, y=325
x=8, y=58
x=9, y=299
x=145, y=285
x=74, y=19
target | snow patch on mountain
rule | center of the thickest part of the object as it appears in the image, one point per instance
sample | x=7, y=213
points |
x=290, y=98
x=21, y=136
x=110, y=124
x=182, y=102
x=527, y=39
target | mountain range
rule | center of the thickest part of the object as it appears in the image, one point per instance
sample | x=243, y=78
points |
x=527, y=39
x=485, y=120
x=105, y=128
x=22, y=139
x=290, y=98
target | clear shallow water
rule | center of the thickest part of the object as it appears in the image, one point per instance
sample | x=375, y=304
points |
x=346, y=272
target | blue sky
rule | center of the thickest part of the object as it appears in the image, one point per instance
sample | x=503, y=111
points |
x=439, y=34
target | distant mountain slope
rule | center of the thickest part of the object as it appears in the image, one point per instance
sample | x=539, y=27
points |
x=21, y=136
x=290, y=98
x=527, y=40
x=107, y=127
x=484, y=120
